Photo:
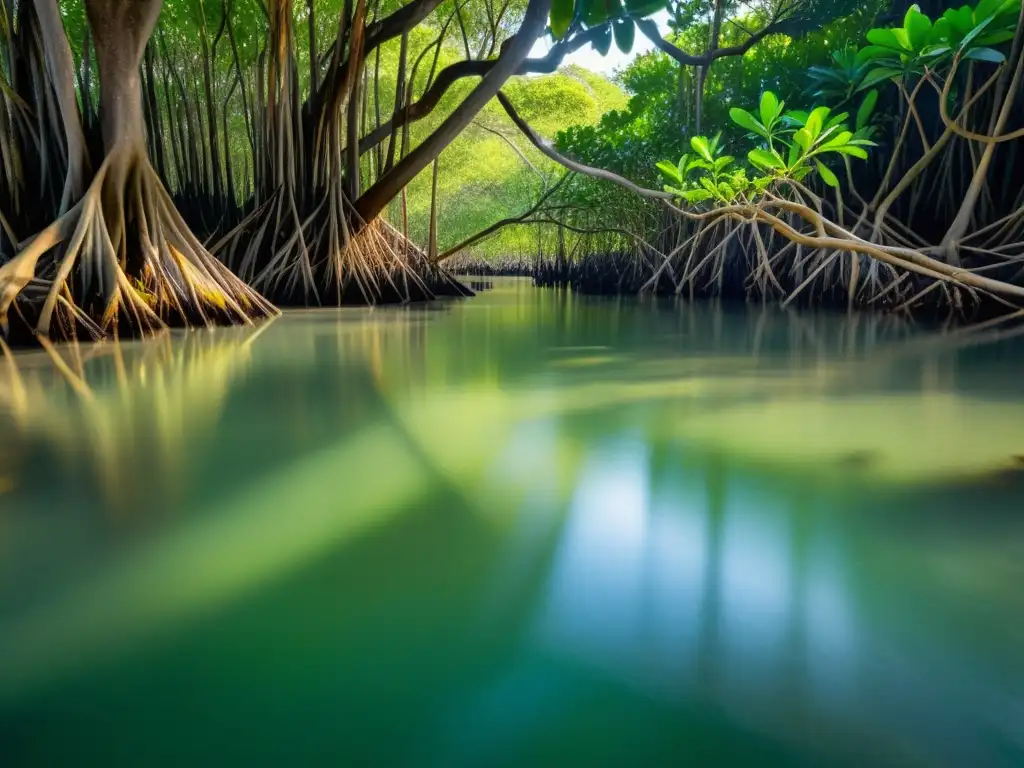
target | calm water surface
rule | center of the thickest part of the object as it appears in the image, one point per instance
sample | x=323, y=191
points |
x=525, y=529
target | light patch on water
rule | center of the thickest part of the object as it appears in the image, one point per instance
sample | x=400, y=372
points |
x=893, y=439
x=916, y=438
x=590, y=361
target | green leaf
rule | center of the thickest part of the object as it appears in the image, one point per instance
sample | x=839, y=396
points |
x=879, y=75
x=969, y=37
x=827, y=73
x=596, y=12
x=987, y=9
x=715, y=143
x=804, y=139
x=837, y=141
x=896, y=39
x=696, y=196
x=796, y=117
x=701, y=147
x=836, y=120
x=873, y=53
x=722, y=162
x=561, y=17
x=931, y=51
x=603, y=42
x=995, y=38
x=852, y=151
x=985, y=54
x=816, y=120
x=670, y=171
x=867, y=107
x=941, y=31
x=795, y=151
x=917, y=27
x=826, y=175
x=961, y=21
x=725, y=191
x=829, y=131
x=762, y=158
x=746, y=120
x=770, y=108
x=639, y=8
x=625, y=32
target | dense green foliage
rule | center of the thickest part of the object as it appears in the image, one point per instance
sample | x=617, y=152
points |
x=484, y=179
x=659, y=120
x=791, y=145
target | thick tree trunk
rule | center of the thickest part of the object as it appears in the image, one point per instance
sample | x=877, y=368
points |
x=121, y=29
x=122, y=258
x=62, y=74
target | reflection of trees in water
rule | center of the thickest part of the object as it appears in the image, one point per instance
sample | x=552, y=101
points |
x=695, y=584
x=125, y=417
x=765, y=597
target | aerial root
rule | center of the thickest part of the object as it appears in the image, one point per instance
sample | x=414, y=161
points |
x=123, y=260
x=328, y=257
x=759, y=240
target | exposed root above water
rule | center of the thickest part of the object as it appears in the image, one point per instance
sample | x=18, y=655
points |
x=330, y=257
x=122, y=261
x=789, y=242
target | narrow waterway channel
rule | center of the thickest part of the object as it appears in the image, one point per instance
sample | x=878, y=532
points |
x=528, y=528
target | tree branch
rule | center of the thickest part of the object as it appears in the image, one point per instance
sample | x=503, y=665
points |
x=451, y=74
x=521, y=218
x=650, y=30
x=597, y=173
x=517, y=150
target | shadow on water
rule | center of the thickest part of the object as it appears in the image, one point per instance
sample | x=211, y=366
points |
x=528, y=529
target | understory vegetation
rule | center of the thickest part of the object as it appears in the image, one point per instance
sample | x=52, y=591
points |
x=206, y=161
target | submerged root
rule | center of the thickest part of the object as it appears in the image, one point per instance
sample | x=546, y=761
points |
x=122, y=261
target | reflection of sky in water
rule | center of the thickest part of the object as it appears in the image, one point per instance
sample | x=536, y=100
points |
x=653, y=588
x=828, y=627
x=600, y=575
x=756, y=593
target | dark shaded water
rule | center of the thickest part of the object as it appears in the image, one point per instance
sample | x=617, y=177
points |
x=525, y=529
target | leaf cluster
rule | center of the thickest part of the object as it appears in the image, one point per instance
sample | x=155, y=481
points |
x=789, y=145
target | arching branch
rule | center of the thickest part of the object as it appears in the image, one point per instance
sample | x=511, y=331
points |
x=778, y=23
x=521, y=218
x=597, y=173
x=451, y=74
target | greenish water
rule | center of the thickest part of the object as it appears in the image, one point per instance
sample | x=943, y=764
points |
x=525, y=529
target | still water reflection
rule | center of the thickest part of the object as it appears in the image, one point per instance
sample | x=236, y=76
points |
x=529, y=528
